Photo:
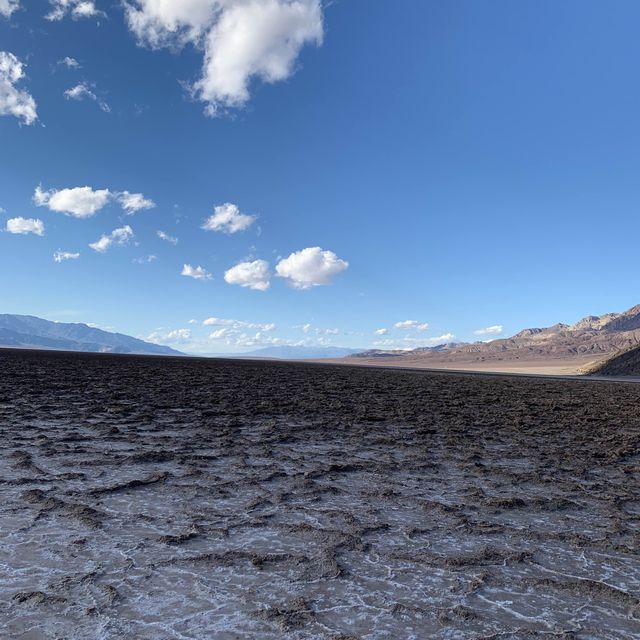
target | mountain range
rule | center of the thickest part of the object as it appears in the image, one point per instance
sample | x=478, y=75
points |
x=592, y=339
x=35, y=333
x=584, y=344
x=31, y=332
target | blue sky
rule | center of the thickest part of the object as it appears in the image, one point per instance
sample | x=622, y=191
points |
x=461, y=165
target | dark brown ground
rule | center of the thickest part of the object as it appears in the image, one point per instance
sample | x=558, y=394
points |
x=178, y=498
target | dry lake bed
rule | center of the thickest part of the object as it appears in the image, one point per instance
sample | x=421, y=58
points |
x=155, y=498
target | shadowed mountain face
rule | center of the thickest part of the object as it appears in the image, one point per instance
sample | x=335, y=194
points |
x=596, y=336
x=623, y=364
x=32, y=332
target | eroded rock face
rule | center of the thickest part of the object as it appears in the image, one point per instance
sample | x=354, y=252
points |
x=595, y=336
x=146, y=498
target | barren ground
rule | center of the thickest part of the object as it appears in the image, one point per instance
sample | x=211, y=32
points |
x=156, y=498
x=572, y=366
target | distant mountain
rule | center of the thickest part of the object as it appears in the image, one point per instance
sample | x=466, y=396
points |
x=298, y=353
x=36, y=333
x=593, y=337
x=387, y=353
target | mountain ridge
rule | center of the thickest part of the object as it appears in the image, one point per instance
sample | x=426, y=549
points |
x=596, y=336
x=25, y=331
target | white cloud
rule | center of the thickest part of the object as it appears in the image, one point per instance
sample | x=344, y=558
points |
x=61, y=256
x=408, y=343
x=120, y=236
x=227, y=218
x=84, y=202
x=197, y=273
x=310, y=267
x=252, y=275
x=175, y=336
x=75, y=8
x=70, y=63
x=25, y=225
x=133, y=202
x=82, y=91
x=327, y=332
x=79, y=202
x=7, y=7
x=167, y=238
x=193, y=321
x=411, y=324
x=14, y=102
x=444, y=338
x=179, y=334
x=495, y=329
x=306, y=328
x=381, y=332
x=243, y=40
x=237, y=325
x=161, y=23
x=145, y=259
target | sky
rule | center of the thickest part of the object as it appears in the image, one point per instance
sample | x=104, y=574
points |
x=224, y=175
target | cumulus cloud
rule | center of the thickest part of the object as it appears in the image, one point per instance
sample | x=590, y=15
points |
x=311, y=267
x=411, y=324
x=82, y=91
x=24, y=226
x=79, y=202
x=237, y=325
x=133, y=202
x=227, y=218
x=77, y=9
x=241, y=333
x=120, y=236
x=7, y=7
x=197, y=273
x=166, y=237
x=175, y=336
x=61, y=256
x=13, y=101
x=381, y=332
x=495, y=329
x=69, y=62
x=84, y=202
x=242, y=40
x=251, y=275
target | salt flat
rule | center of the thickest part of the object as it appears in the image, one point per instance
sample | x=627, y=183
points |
x=185, y=498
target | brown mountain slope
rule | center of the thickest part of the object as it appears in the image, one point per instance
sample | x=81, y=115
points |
x=623, y=364
x=583, y=344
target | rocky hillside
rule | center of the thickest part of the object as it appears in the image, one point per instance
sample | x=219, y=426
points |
x=593, y=336
x=623, y=364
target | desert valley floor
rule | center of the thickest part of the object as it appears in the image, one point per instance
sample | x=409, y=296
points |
x=155, y=498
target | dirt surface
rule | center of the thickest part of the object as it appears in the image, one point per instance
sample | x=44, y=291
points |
x=561, y=366
x=180, y=498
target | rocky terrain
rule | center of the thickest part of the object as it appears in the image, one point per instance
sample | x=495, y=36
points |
x=626, y=363
x=182, y=498
x=580, y=346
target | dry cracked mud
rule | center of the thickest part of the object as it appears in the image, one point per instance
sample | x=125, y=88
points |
x=184, y=498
